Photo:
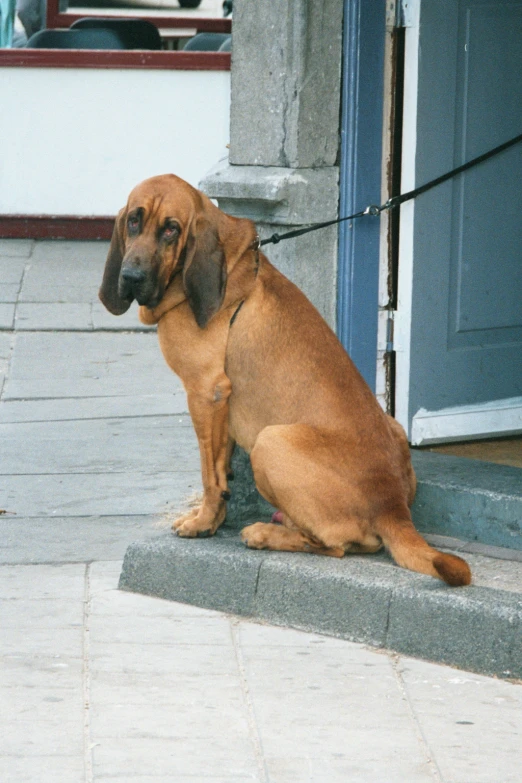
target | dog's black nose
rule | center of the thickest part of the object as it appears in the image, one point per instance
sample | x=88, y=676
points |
x=133, y=275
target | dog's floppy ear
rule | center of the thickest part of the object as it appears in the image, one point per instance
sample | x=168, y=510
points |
x=108, y=292
x=204, y=272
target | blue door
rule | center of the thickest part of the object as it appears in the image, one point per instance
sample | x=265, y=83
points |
x=459, y=323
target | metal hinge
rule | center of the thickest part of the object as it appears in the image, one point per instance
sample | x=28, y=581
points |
x=401, y=13
x=386, y=330
x=389, y=331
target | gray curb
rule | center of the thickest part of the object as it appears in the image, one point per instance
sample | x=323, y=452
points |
x=360, y=599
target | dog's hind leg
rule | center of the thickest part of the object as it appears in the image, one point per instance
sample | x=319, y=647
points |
x=300, y=471
x=264, y=535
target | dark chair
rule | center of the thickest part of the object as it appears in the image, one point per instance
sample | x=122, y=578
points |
x=75, y=39
x=134, y=33
x=226, y=46
x=206, y=42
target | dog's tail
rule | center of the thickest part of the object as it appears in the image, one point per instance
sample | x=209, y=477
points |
x=410, y=550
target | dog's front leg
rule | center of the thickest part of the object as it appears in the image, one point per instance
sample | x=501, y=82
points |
x=209, y=412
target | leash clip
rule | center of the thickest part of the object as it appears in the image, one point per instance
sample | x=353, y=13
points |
x=373, y=209
x=256, y=244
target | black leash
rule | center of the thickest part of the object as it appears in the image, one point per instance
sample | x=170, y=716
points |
x=394, y=201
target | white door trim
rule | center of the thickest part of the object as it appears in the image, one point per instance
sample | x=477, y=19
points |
x=402, y=320
x=467, y=422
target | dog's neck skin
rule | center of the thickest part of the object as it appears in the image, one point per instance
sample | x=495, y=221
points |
x=237, y=236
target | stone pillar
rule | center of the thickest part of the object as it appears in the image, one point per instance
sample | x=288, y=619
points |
x=283, y=170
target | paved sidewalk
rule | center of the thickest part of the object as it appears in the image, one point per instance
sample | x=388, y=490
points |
x=100, y=685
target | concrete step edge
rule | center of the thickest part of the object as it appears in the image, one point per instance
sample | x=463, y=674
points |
x=361, y=599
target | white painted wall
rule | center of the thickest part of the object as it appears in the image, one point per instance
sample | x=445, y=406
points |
x=75, y=141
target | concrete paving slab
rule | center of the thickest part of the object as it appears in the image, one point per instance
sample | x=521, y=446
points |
x=104, y=577
x=9, y=294
x=113, y=604
x=71, y=252
x=270, y=640
x=119, y=445
x=201, y=718
x=98, y=494
x=11, y=271
x=41, y=672
x=43, y=613
x=40, y=642
x=157, y=659
x=23, y=704
x=21, y=248
x=42, y=769
x=179, y=779
x=300, y=706
x=175, y=756
x=6, y=341
x=364, y=599
x=398, y=758
x=64, y=272
x=56, y=316
x=56, y=283
x=75, y=408
x=7, y=312
x=61, y=364
x=454, y=710
x=45, y=582
x=166, y=691
x=108, y=627
x=42, y=737
x=342, y=768
x=70, y=539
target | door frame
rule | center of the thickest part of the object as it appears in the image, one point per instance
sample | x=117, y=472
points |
x=360, y=181
x=403, y=313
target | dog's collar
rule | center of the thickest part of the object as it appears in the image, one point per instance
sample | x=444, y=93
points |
x=236, y=311
x=256, y=244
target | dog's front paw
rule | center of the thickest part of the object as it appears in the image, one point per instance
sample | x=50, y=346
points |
x=190, y=530
x=256, y=536
x=199, y=522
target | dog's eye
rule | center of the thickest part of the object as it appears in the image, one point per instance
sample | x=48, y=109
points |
x=133, y=223
x=170, y=230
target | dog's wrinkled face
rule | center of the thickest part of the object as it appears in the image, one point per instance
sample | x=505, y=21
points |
x=155, y=229
x=166, y=228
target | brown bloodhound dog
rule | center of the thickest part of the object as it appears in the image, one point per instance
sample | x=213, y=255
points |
x=262, y=369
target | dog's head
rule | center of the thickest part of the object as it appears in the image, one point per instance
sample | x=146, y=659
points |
x=166, y=228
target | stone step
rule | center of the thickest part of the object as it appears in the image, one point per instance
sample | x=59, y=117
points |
x=468, y=499
x=366, y=599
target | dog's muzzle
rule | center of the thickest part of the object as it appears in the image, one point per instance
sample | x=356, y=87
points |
x=135, y=283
